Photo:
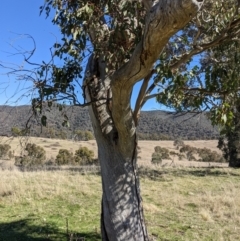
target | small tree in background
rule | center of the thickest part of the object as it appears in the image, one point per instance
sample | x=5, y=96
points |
x=156, y=158
x=84, y=135
x=36, y=155
x=5, y=151
x=89, y=136
x=79, y=135
x=178, y=143
x=190, y=155
x=179, y=155
x=64, y=157
x=84, y=156
x=160, y=153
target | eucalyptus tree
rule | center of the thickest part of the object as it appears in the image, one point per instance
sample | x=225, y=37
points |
x=225, y=67
x=118, y=44
x=122, y=40
x=207, y=73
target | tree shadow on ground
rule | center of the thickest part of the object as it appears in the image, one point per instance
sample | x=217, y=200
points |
x=24, y=230
x=160, y=174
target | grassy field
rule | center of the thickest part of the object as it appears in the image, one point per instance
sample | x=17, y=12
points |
x=146, y=148
x=180, y=204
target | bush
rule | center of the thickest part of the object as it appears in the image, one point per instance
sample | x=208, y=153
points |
x=15, y=131
x=62, y=135
x=160, y=154
x=36, y=152
x=36, y=155
x=164, y=152
x=206, y=155
x=177, y=143
x=23, y=161
x=179, y=155
x=89, y=136
x=64, y=157
x=19, y=132
x=156, y=158
x=84, y=156
x=83, y=135
x=187, y=148
x=5, y=151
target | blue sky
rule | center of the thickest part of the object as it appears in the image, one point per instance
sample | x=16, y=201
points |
x=17, y=18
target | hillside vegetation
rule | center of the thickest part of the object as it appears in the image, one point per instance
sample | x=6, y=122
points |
x=154, y=125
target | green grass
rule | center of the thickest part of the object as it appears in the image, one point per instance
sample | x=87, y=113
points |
x=180, y=204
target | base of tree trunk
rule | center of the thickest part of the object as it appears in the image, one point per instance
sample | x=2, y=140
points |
x=235, y=163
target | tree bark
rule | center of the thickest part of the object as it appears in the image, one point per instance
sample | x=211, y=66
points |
x=113, y=122
x=233, y=137
x=122, y=212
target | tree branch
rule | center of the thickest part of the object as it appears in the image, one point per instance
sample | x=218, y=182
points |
x=164, y=20
x=223, y=36
x=140, y=97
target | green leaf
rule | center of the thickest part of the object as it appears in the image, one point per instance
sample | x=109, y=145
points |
x=44, y=120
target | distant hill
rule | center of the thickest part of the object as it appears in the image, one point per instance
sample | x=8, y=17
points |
x=154, y=125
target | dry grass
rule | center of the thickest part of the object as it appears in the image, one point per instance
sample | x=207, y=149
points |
x=180, y=204
x=51, y=146
x=43, y=201
x=146, y=148
x=193, y=204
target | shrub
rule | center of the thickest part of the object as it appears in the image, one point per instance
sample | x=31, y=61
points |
x=160, y=154
x=179, y=155
x=5, y=151
x=177, y=143
x=15, y=131
x=64, y=157
x=62, y=135
x=84, y=156
x=89, y=136
x=23, y=161
x=19, y=132
x=156, y=158
x=36, y=152
x=187, y=148
x=164, y=152
x=206, y=155
x=190, y=155
x=84, y=135
x=36, y=155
